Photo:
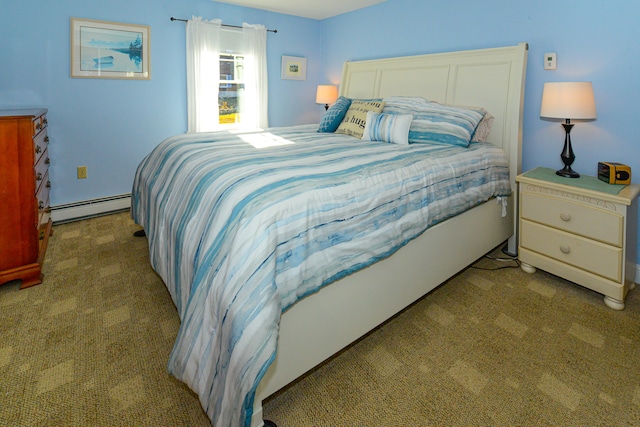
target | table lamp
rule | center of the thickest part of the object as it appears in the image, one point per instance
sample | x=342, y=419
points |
x=326, y=94
x=568, y=100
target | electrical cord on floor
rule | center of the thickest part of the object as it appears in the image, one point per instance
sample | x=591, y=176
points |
x=499, y=260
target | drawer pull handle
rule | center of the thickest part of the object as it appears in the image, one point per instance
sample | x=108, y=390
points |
x=45, y=121
x=565, y=216
x=38, y=149
x=39, y=126
x=38, y=176
x=46, y=162
x=46, y=138
x=40, y=205
x=42, y=235
x=48, y=184
x=565, y=249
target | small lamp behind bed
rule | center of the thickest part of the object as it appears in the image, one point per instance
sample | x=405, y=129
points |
x=568, y=100
x=326, y=94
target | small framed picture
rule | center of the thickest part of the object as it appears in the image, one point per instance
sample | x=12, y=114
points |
x=294, y=68
x=109, y=50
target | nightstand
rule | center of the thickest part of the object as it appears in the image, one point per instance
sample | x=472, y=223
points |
x=580, y=229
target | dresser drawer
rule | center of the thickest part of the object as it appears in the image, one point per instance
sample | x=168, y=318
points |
x=573, y=217
x=43, y=234
x=589, y=255
x=40, y=143
x=42, y=198
x=39, y=124
x=41, y=168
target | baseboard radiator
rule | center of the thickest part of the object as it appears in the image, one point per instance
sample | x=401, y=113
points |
x=90, y=208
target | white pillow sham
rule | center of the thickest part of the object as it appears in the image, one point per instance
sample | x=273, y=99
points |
x=393, y=128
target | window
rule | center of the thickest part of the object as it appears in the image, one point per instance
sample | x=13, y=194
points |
x=242, y=88
x=226, y=77
x=231, y=88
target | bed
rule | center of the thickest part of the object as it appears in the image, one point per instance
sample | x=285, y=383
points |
x=197, y=243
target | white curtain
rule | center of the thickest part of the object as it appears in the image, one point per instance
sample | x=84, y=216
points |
x=254, y=104
x=203, y=71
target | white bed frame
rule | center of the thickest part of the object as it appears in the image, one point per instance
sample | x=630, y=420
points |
x=322, y=324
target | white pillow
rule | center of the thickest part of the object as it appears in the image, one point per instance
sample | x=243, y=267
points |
x=393, y=128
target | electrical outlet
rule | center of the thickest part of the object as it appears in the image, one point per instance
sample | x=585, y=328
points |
x=549, y=61
x=82, y=172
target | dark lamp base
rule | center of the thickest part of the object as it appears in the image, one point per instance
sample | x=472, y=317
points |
x=567, y=172
x=567, y=155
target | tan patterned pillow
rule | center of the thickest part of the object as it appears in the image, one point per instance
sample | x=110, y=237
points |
x=356, y=118
x=484, y=128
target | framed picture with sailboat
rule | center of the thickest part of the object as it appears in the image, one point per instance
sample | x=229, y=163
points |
x=109, y=50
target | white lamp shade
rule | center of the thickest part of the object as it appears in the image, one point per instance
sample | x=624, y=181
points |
x=568, y=100
x=326, y=94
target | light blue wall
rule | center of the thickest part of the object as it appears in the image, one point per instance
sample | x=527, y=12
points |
x=110, y=125
x=594, y=40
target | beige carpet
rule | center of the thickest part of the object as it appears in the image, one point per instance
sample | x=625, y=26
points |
x=89, y=347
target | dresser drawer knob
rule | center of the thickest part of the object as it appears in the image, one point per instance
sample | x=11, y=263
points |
x=48, y=184
x=565, y=249
x=45, y=121
x=38, y=149
x=46, y=138
x=40, y=205
x=565, y=216
x=38, y=176
x=42, y=235
x=39, y=126
x=46, y=162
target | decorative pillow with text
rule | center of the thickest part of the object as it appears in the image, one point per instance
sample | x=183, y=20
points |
x=355, y=120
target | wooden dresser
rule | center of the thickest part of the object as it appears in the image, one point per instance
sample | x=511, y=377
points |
x=25, y=220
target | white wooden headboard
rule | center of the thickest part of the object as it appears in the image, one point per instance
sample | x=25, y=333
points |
x=491, y=78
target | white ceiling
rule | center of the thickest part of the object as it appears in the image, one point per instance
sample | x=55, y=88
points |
x=314, y=9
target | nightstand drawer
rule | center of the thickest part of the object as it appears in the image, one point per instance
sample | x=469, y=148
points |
x=595, y=257
x=588, y=221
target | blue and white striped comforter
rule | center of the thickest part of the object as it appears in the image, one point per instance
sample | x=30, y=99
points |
x=240, y=233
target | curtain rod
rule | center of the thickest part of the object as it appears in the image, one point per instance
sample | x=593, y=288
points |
x=224, y=25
